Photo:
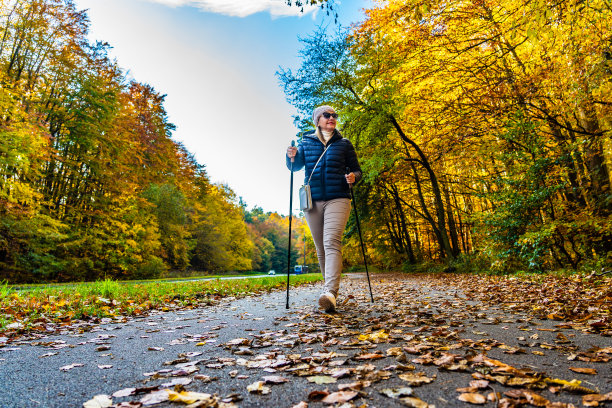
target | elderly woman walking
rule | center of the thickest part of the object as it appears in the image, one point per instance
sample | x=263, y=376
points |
x=326, y=156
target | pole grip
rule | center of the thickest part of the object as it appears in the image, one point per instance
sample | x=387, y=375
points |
x=293, y=145
x=347, y=170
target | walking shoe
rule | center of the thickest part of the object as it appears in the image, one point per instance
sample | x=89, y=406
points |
x=327, y=301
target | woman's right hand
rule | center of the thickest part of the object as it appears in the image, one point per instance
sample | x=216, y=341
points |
x=291, y=151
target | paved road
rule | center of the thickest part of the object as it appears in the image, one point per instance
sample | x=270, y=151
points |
x=426, y=319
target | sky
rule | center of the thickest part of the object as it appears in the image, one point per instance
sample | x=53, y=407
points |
x=216, y=62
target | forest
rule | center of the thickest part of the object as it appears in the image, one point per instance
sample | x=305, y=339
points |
x=483, y=130
x=92, y=185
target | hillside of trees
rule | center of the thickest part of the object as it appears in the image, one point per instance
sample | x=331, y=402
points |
x=483, y=129
x=92, y=185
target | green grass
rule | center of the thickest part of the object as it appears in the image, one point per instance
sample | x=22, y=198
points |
x=32, y=286
x=5, y=290
x=38, y=306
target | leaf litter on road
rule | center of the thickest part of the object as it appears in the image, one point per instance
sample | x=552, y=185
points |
x=373, y=343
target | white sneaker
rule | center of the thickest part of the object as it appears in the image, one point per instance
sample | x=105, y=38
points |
x=327, y=301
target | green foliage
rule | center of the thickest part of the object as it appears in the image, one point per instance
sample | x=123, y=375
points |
x=481, y=128
x=269, y=232
x=91, y=183
x=171, y=213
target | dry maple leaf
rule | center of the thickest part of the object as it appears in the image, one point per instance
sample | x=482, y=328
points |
x=397, y=392
x=317, y=395
x=126, y=392
x=535, y=399
x=156, y=397
x=414, y=402
x=479, y=383
x=322, y=379
x=189, y=397
x=258, y=387
x=378, y=337
x=572, y=386
x=275, y=379
x=70, y=366
x=593, y=400
x=395, y=351
x=416, y=380
x=368, y=356
x=472, y=398
x=339, y=397
x=355, y=386
x=584, y=370
x=99, y=401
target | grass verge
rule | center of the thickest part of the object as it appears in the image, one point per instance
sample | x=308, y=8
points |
x=48, y=309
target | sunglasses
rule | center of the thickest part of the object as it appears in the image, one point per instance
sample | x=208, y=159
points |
x=328, y=115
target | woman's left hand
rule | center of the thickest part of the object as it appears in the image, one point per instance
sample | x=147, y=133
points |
x=350, y=178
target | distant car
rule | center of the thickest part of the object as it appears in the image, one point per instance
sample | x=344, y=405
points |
x=299, y=269
x=272, y=272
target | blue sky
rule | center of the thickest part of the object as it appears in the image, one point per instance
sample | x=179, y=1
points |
x=216, y=64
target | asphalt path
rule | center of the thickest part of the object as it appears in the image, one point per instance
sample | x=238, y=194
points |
x=116, y=356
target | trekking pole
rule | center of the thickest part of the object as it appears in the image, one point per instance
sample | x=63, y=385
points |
x=290, y=218
x=365, y=262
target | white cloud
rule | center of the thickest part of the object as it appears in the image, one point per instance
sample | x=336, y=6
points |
x=240, y=8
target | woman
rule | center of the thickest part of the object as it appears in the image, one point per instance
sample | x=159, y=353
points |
x=331, y=194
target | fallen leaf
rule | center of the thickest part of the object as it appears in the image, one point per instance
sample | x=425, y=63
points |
x=479, y=383
x=472, y=398
x=414, y=402
x=258, y=387
x=593, y=400
x=317, y=395
x=99, y=401
x=104, y=366
x=275, y=379
x=521, y=381
x=321, y=379
x=129, y=404
x=177, y=381
x=189, y=397
x=395, y=351
x=536, y=399
x=416, y=380
x=572, y=386
x=156, y=349
x=369, y=356
x=156, y=397
x=126, y=392
x=340, y=396
x=70, y=367
x=204, y=378
x=355, y=386
x=584, y=370
x=378, y=337
x=397, y=392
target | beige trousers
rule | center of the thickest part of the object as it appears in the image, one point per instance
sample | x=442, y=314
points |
x=326, y=221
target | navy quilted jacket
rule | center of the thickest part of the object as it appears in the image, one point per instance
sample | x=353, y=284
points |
x=328, y=180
